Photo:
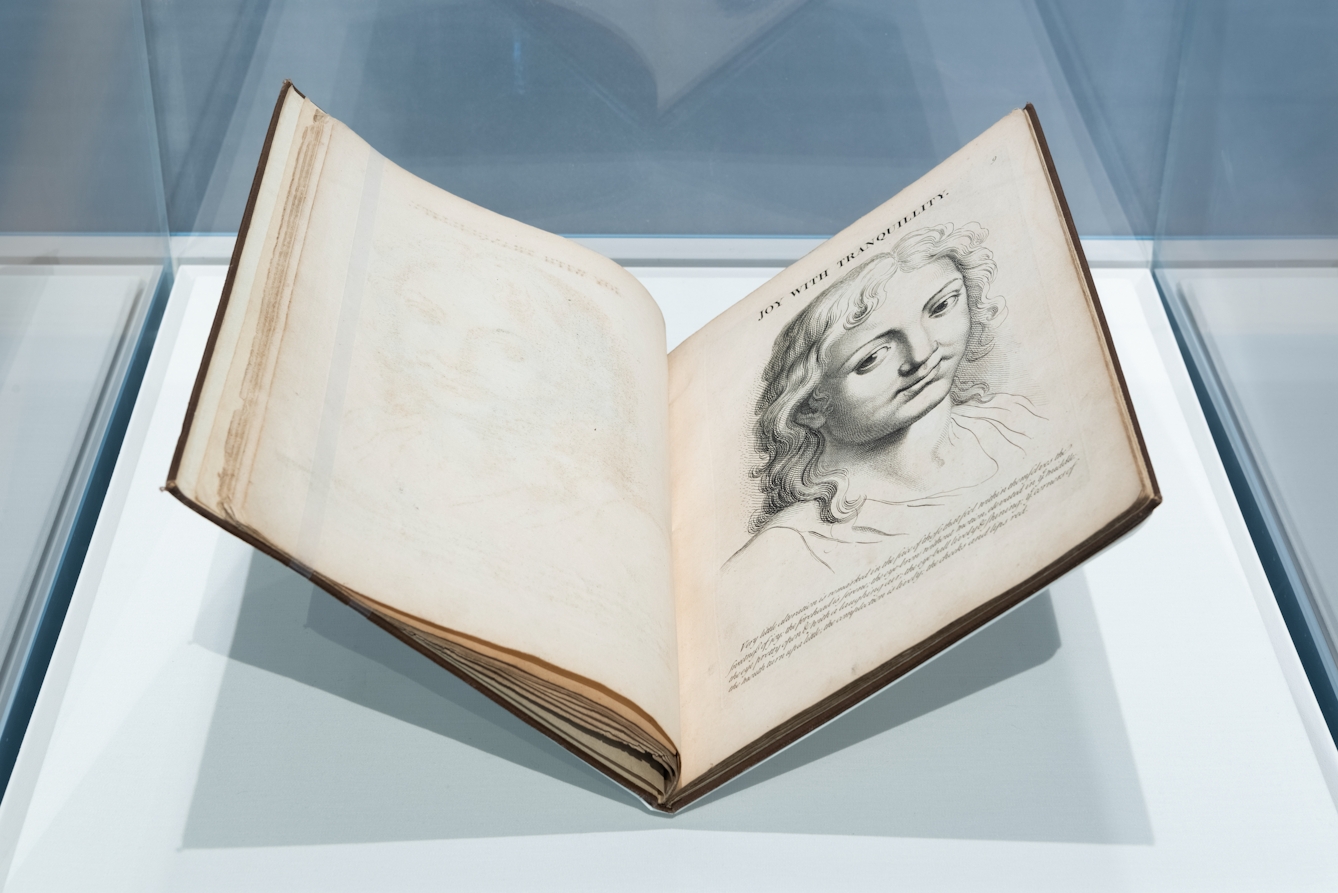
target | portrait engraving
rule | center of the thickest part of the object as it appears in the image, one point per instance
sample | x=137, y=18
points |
x=884, y=402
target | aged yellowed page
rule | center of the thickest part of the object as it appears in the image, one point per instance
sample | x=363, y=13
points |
x=912, y=420
x=449, y=414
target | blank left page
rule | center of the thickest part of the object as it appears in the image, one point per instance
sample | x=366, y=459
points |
x=447, y=412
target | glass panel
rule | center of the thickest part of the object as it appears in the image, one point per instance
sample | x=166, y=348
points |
x=1246, y=255
x=77, y=152
x=83, y=240
x=769, y=117
x=1273, y=334
x=61, y=330
x=1121, y=60
x=1255, y=132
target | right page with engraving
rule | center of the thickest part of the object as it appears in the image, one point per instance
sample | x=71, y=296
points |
x=900, y=436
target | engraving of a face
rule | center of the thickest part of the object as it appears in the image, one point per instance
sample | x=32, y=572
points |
x=889, y=371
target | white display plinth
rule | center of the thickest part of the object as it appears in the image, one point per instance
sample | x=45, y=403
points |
x=210, y=721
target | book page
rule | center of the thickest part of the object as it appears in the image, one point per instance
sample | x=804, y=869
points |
x=446, y=413
x=913, y=420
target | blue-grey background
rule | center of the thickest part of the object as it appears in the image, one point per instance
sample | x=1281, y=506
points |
x=1167, y=117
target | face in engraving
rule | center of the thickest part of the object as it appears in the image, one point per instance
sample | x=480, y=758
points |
x=884, y=391
x=894, y=366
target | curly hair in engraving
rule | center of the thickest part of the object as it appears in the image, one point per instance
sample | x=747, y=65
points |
x=792, y=470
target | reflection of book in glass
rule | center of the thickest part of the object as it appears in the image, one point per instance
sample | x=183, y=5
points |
x=467, y=429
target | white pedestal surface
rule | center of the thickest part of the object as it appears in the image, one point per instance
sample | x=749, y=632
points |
x=211, y=722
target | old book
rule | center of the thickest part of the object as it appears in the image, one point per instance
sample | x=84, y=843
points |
x=469, y=430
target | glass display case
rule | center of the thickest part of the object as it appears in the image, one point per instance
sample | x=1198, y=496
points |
x=1247, y=262
x=84, y=274
x=1166, y=712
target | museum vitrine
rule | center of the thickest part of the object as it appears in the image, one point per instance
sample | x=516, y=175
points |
x=1167, y=709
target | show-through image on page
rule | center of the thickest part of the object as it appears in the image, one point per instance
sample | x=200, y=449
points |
x=884, y=401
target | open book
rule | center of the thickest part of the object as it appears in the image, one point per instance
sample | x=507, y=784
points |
x=468, y=429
